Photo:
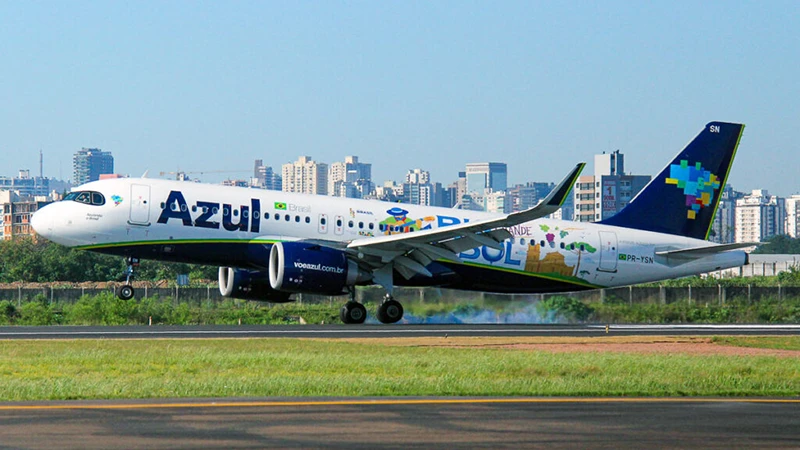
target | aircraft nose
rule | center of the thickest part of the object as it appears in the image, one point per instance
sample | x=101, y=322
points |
x=42, y=222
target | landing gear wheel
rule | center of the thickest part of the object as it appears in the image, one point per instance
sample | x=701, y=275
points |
x=125, y=292
x=390, y=311
x=353, y=312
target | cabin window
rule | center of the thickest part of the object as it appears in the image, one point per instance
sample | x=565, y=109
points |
x=541, y=243
x=338, y=222
x=521, y=241
x=236, y=213
x=297, y=219
x=308, y=219
x=277, y=216
x=360, y=224
x=287, y=217
x=245, y=213
x=226, y=212
x=350, y=224
x=562, y=245
x=371, y=226
x=215, y=210
x=194, y=208
x=322, y=220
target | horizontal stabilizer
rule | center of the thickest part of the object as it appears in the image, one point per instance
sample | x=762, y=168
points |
x=674, y=258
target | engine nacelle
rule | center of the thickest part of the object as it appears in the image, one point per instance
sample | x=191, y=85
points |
x=249, y=285
x=312, y=269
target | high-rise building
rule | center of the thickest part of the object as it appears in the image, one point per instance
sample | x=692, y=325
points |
x=418, y=189
x=724, y=225
x=305, y=176
x=418, y=176
x=28, y=186
x=489, y=175
x=528, y=195
x=265, y=178
x=793, y=216
x=15, y=214
x=496, y=202
x=601, y=196
x=89, y=163
x=350, y=178
x=759, y=216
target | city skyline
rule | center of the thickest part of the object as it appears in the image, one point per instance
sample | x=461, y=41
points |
x=540, y=86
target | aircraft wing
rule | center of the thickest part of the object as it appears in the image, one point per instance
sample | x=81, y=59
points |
x=409, y=253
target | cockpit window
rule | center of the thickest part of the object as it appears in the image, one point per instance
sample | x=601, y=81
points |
x=98, y=199
x=86, y=197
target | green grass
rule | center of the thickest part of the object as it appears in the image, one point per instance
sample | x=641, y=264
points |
x=96, y=369
x=778, y=342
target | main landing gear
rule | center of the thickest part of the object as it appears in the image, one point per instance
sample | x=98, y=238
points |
x=126, y=291
x=390, y=311
x=353, y=312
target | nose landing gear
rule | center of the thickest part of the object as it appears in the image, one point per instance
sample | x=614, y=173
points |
x=126, y=291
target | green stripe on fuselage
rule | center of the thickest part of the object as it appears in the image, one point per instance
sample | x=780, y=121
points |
x=176, y=242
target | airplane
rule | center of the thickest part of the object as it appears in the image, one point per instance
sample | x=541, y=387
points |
x=270, y=245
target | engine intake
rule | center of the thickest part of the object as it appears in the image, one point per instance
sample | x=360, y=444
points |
x=312, y=269
x=249, y=285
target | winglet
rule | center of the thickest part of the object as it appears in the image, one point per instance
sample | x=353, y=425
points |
x=558, y=196
x=552, y=202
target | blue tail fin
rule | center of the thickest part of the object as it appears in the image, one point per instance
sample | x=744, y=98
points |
x=683, y=198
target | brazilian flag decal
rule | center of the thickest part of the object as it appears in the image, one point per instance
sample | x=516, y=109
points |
x=280, y=205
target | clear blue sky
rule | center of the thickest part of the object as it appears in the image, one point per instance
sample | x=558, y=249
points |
x=172, y=85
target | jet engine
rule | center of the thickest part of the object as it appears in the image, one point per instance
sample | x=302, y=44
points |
x=313, y=269
x=249, y=285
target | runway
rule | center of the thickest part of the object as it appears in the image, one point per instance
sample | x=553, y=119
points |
x=403, y=423
x=383, y=331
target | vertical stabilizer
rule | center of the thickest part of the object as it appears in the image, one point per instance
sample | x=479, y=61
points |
x=683, y=198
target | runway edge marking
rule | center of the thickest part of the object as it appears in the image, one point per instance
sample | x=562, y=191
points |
x=389, y=402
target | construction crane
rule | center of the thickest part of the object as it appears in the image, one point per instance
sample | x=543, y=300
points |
x=181, y=174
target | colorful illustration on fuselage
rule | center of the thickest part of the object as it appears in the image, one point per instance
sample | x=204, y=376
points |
x=554, y=255
x=400, y=223
x=698, y=185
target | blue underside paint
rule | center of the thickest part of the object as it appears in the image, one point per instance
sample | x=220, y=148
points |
x=256, y=256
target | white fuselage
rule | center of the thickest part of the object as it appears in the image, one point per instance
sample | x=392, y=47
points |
x=162, y=216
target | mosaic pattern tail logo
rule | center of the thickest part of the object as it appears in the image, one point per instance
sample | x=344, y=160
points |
x=698, y=185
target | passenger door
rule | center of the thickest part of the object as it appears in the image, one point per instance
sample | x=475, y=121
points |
x=140, y=205
x=608, y=251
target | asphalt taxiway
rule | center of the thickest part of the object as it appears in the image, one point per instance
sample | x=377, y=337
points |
x=384, y=331
x=404, y=423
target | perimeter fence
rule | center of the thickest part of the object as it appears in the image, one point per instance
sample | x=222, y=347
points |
x=625, y=295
